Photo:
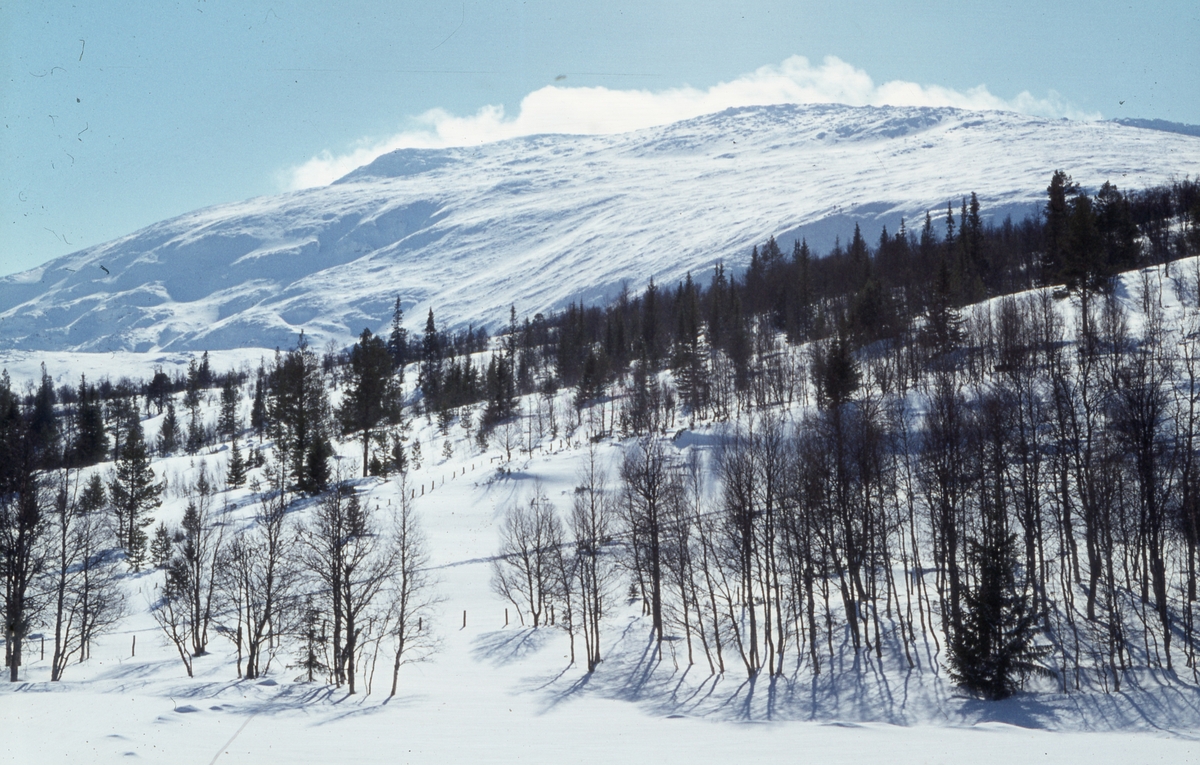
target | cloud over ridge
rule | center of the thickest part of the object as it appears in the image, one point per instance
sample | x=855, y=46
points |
x=599, y=110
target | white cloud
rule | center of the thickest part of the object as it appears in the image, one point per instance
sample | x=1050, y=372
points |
x=555, y=109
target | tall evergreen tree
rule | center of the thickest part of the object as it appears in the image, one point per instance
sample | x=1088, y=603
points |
x=44, y=428
x=1084, y=266
x=158, y=392
x=315, y=478
x=1057, y=214
x=299, y=414
x=24, y=524
x=169, y=434
x=651, y=342
x=258, y=410
x=994, y=650
x=836, y=372
x=235, y=476
x=943, y=323
x=977, y=267
x=501, y=390
x=371, y=395
x=91, y=437
x=1114, y=219
x=689, y=358
x=161, y=547
x=431, y=363
x=134, y=492
x=860, y=261
x=800, y=324
x=195, y=431
x=229, y=422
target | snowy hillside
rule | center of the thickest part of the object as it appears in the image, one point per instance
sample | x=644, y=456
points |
x=544, y=220
x=497, y=690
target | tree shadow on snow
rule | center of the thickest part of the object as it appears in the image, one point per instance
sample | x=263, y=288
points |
x=501, y=647
x=854, y=687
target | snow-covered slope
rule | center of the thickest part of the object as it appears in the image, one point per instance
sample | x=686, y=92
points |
x=497, y=691
x=543, y=220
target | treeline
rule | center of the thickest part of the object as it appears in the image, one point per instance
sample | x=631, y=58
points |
x=719, y=339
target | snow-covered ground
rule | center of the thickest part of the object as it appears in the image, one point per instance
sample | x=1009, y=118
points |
x=497, y=693
x=540, y=221
x=508, y=694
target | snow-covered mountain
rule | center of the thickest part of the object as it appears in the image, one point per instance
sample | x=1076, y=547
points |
x=544, y=220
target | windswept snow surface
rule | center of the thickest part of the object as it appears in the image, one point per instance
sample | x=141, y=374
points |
x=540, y=221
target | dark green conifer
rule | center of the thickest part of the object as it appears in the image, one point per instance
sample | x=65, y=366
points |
x=134, y=493
x=993, y=651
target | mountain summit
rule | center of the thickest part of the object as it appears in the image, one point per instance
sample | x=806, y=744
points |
x=544, y=220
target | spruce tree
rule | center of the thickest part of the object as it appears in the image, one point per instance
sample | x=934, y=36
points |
x=800, y=323
x=836, y=373
x=928, y=239
x=134, y=493
x=591, y=381
x=860, y=260
x=195, y=431
x=951, y=237
x=229, y=423
x=993, y=651
x=372, y=396
x=1114, y=218
x=235, y=476
x=191, y=395
x=416, y=455
x=44, y=428
x=91, y=437
x=91, y=500
x=310, y=656
x=158, y=392
x=431, y=364
x=298, y=411
x=258, y=410
x=160, y=547
x=1084, y=268
x=501, y=390
x=11, y=434
x=943, y=323
x=1057, y=214
x=168, y=433
x=399, y=456
x=689, y=357
x=315, y=478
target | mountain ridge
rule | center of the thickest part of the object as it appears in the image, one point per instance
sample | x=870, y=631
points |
x=540, y=221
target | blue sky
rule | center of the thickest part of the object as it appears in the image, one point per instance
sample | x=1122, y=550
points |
x=119, y=114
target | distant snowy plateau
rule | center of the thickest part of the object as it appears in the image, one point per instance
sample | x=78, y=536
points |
x=541, y=221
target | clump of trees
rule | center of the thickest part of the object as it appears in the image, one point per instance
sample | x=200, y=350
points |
x=56, y=547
